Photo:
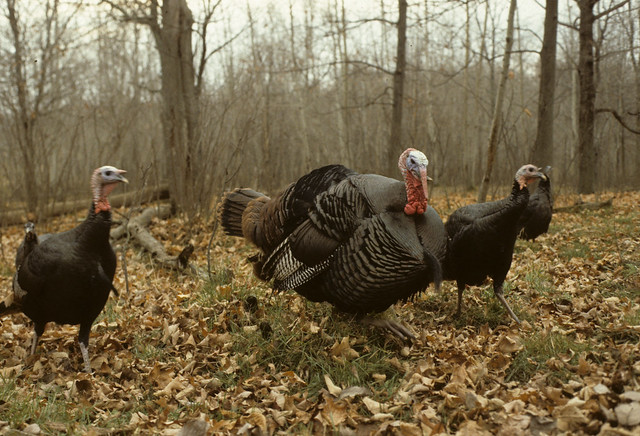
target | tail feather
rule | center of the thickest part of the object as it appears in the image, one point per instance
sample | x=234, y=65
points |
x=233, y=206
x=9, y=305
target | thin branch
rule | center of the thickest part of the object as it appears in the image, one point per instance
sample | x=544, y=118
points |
x=366, y=64
x=611, y=9
x=618, y=117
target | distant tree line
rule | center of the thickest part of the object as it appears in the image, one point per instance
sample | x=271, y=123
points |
x=204, y=96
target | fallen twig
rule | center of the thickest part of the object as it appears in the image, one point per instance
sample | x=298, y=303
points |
x=581, y=206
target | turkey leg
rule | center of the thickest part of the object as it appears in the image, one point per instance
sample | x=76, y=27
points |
x=83, y=340
x=497, y=289
x=38, y=330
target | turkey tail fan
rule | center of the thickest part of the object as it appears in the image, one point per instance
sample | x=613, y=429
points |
x=233, y=206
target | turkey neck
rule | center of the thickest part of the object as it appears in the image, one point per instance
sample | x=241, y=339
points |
x=95, y=228
x=519, y=196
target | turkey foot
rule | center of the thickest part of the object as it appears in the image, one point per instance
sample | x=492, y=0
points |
x=394, y=327
x=500, y=296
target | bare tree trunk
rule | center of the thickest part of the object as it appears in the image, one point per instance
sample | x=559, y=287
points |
x=395, y=140
x=636, y=67
x=477, y=152
x=180, y=102
x=467, y=160
x=542, y=153
x=344, y=83
x=497, y=113
x=25, y=122
x=171, y=25
x=587, y=151
x=340, y=70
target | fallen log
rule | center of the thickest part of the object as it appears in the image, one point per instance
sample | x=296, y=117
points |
x=18, y=216
x=137, y=229
x=162, y=211
x=584, y=206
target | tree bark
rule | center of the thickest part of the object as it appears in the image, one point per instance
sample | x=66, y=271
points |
x=180, y=102
x=171, y=26
x=497, y=113
x=395, y=140
x=587, y=151
x=542, y=153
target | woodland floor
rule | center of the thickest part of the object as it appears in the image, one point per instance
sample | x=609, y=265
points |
x=174, y=348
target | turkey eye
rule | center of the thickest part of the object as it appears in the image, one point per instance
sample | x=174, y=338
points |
x=108, y=173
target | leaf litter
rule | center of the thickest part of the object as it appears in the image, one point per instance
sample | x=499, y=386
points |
x=229, y=356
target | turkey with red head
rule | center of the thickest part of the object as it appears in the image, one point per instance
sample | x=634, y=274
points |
x=481, y=238
x=66, y=277
x=361, y=242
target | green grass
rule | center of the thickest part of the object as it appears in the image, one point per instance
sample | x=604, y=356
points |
x=540, y=281
x=308, y=355
x=109, y=313
x=276, y=339
x=17, y=409
x=632, y=318
x=220, y=287
x=538, y=349
x=489, y=311
x=575, y=249
x=145, y=348
x=7, y=270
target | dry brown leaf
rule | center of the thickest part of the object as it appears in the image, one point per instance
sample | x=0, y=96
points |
x=628, y=414
x=331, y=387
x=343, y=350
x=332, y=414
x=472, y=428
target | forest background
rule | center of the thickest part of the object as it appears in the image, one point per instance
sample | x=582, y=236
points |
x=201, y=96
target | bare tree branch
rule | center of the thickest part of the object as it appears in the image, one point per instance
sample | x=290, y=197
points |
x=618, y=117
x=611, y=9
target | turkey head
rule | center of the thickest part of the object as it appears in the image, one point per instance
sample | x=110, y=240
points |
x=103, y=180
x=413, y=165
x=527, y=174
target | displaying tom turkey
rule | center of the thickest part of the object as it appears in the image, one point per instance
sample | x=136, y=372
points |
x=481, y=238
x=537, y=216
x=361, y=242
x=66, y=277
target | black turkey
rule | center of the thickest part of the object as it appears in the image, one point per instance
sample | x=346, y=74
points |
x=358, y=241
x=28, y=243
x=537, y=216
x=481, y=238
x=67, y=277
x=12, y=303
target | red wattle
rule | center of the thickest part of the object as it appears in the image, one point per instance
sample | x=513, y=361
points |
x=409, y=209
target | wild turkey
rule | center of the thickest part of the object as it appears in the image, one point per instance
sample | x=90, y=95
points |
x=67, y=277
x=481, y=238
x=537, y=216
x=28, y=243
x=358, y=241
x=12, y=303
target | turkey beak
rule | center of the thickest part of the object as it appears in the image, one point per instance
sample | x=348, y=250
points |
x=122, y=178
x=424, y=178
